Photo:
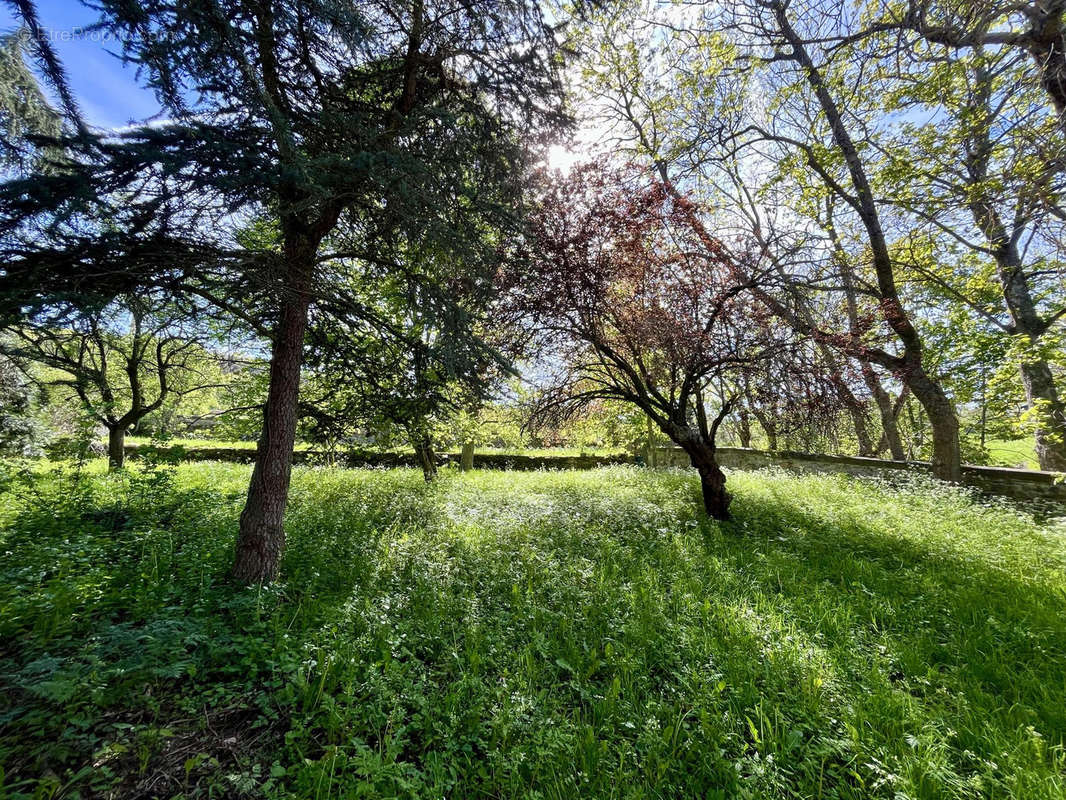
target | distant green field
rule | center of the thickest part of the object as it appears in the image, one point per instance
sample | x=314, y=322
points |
x=1013, y=453
x=550, y=635
x=193, y=443
x=528, y=451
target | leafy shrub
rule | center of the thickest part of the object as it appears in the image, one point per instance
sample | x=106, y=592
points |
x=22, y=432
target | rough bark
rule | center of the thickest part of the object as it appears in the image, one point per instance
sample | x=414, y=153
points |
x=1003, y=237
x=946, y=462
x=1037, y=378
x=116, y=448
x=427, y=458
x=889, y=425
x=261, y=537
x=1051, y=432
x=466, y=457
x=712, y=480
x=1049, y=53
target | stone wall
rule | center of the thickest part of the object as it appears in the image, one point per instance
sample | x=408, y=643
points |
x=1020, y=484
x=239, y=455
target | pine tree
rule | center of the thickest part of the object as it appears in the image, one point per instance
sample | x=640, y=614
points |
x=346, y=125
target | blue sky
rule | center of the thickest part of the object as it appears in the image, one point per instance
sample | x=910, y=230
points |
x=107, y=91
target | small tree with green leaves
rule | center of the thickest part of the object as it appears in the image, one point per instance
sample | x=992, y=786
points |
x=121, y=362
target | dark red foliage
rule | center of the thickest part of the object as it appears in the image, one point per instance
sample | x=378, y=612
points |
x=626, y=297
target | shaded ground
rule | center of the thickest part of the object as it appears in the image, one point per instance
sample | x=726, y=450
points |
x=530, y=635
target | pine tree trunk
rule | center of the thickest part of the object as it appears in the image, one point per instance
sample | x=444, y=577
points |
x=262, y=535
x=466, y=457
x=116, y=448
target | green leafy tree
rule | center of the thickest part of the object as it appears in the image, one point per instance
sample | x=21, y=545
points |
x=768, y=141
x=382, y=120
x=22, y=430
x=423, y=359
x=1033, y=29
x=981, y=179
x=121, y=362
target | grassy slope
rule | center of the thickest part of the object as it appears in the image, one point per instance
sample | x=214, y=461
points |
x=1013, y=453
x=534, y=635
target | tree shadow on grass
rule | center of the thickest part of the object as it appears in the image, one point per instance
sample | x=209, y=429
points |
x=912, y=611
x=561, y=633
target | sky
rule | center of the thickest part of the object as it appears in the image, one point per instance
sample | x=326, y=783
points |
x=107, y=92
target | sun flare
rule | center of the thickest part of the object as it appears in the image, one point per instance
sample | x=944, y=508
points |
x=562, y=158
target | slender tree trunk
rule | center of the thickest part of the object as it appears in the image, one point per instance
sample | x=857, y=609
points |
x=1039, y=382
x=889, y=425
x=651, y=458
x=116, y=448
x=769, y=428
x=889, y=422
x=946, y=464
x=984, y=411
x=427, y=458
x=1049, y=50
x=848, y=399
x=466, y=458
x=862, y=433
x=744, y=428
x=1042, y=394
x=262, y=534
x=917, y=436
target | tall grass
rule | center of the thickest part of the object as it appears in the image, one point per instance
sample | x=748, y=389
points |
x=553, y=635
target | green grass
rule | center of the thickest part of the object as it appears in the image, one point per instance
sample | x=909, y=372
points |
x=548, y=635
x=1012, y=453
